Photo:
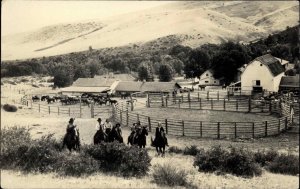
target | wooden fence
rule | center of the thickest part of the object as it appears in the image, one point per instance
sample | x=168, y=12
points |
x=72, y=110
x=219, y=130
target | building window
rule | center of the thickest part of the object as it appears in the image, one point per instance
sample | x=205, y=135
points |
x=257, y=82
x=215, y=82
x=260, y=64
x=206, y=81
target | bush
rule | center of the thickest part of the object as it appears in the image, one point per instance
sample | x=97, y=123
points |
x=192, y=150
x=35, y=86
x=169, y=175
x=264, y=158
x=76, y=165
x=24, y=80
x=175, y=149
x=50, y=80
x=116, y=157
x=10, y=108
x=239, y=162
x=285, y=164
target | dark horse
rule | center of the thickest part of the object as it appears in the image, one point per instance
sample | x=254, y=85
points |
x=71, y=140
x=159, y=142
x=139, y=138
x=115, y=134
x=100, y=136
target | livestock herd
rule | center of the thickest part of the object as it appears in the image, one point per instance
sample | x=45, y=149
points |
x=85, y=98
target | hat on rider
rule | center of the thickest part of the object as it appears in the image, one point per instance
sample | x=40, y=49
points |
x=99, y=119
x=118, y=125
x=71, y=120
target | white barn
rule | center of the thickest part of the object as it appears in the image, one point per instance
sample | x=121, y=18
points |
x=207, y=78
x=263, y=73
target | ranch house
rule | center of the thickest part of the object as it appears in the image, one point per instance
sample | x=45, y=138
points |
x=207, y=78
x=263, y=73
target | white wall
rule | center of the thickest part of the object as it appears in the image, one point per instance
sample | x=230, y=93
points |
x=254, y=71
x=208, y=76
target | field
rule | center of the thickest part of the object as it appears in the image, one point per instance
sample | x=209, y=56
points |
x=41, y=124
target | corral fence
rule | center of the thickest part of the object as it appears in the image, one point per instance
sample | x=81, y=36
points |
x=72, y=110
x=256, y=129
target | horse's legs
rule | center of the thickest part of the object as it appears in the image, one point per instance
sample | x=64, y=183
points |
x=157, y=150
x=163, y=151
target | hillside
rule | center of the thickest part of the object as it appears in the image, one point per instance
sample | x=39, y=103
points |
x=191, y=23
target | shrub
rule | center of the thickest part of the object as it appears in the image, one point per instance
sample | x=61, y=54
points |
x=264, y=158
x=10, y=108
x=78, y=164
x=34, y=85
x=169, y=175
x=50, y=80
x=175, y=149
x=285, y=164
x=239, y=162
x=116, y=157
x=192, y=150
x=24, y=80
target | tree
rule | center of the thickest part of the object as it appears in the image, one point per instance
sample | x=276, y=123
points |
x=145, y=71
x=81, y=72
x=62, y=78
x=165, y=73
x=197, y=63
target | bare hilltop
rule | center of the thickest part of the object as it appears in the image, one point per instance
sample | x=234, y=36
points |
x=190, y=23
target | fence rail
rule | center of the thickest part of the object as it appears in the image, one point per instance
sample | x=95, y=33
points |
x=257, y=129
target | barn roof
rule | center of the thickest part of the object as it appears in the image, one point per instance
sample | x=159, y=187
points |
x=146, y=86
x=85, y=89
x=289, y=81
x=129, y=86
x=93, y=82
x=272, y=63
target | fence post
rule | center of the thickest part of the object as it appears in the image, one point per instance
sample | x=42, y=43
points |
x=200, y=128
x=224, y=105
x=207, y=96
x=80, y=107
x=92, y=110
x=148, y=101
x=198, y=96
x=237, y=105
x=212, y=104
x=179, y=103
x=69, y=112
x=182, y=98
x=218, y=130
x=137, y=117
x=218, y=95
x=189, y=103
x=270, y=107
x=166, y=101
x=149, y=123
x=278, y=126
x=235, y=130
x=162, y=100
x=127, y=118
x=253, y=130
x=166, y=123
x=200, y=104
x=182, y=128
x=39, y=107
x=49, y=109
x=249, y=104
x=285, y=123
x=266, y=128
x=57, y=110
x=228, y=95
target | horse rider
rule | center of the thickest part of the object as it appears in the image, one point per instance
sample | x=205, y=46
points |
x=133, y=132
x=162, y=132
x=72, y=128
x=107, y=126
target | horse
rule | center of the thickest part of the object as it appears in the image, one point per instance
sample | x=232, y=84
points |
x=114, y=134
x=223, y=87
x=72, y=141
x=202, y=87
x=45, y=97
x=159, y=143
x=99, y=137
x=86, y=101
x=141, y=137
x=35, y=98
x=111, y=102
x=50, y=99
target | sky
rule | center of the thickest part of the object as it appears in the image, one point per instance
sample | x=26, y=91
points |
x=21, y=16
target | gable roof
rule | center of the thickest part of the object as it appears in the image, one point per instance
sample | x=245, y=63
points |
x=272, y=64
x=85, y=89
x=289, y=81
x=129, y=86
x=93, y=82
x=146, y=86
x=120, y=77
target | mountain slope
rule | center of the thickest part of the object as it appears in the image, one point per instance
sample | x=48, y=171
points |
x=194, y=23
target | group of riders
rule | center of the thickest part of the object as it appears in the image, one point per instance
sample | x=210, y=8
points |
x=106, y=132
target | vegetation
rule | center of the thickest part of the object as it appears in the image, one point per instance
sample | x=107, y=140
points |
x=192, y=150
x=168, y=175
x=239, y=162
x=166, y=73
x=285, y=164
x=175, y=149
x=9, y=108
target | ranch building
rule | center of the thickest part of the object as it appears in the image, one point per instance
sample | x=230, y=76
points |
x=263, y=73
x=207, y=79
x=289, y=83
x=130, y=87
